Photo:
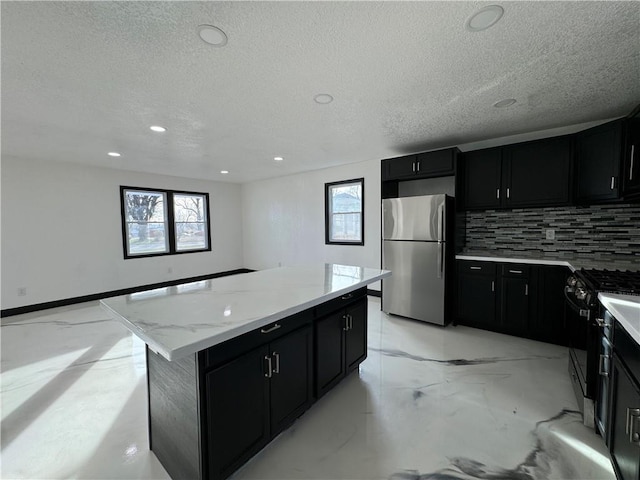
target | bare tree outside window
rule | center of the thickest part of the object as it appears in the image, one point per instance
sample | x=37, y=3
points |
x=145, y=217
x=189, y=214
x=344, y=212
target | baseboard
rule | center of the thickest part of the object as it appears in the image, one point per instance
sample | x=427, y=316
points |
x=374, y=293
x=114, y=293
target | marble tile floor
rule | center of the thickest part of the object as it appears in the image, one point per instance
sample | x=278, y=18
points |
x=428, y=403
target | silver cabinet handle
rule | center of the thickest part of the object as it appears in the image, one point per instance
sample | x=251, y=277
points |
x=350, y=322
x=515, y=271
x=345, y=317
x=508, y=193
x=602, y=368
x=498, y=193
x=475, y=268
x=493, y=285
x=276, y=356
x=526, y=289
x=269, y=373
x=418, y=162
x=613, y=183
x=269, y=330
x=601, y=323
x=633, y=151
x=414, y=167
x=631, y=427
x=347, y=296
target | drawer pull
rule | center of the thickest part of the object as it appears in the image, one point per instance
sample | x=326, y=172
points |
x=347, y=296
x=515, y=271
x=269, y=330
x=475, y=268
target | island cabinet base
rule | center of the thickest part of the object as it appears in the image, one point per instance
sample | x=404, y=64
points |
x=210, y=412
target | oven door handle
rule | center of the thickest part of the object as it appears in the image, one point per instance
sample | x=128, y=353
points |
x=583, y=312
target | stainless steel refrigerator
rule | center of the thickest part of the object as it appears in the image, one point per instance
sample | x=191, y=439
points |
x=416, y=248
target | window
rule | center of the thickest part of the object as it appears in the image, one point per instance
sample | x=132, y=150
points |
x=344, y=212
x=164, y=222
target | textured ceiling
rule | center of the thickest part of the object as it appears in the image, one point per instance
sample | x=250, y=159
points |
x=80, y=79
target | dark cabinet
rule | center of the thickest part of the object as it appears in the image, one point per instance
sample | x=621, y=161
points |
x=625, y=423
x=529, y=174
x=537, y=173
x=517, y=299
x=341, y=344
x=597, y=165
x=438, y=163
x=631, y=159
x=482, y=179
x=254, y=397
x=477, y=294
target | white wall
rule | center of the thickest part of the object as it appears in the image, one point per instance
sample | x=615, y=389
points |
x=61, y=232
x=283, y=219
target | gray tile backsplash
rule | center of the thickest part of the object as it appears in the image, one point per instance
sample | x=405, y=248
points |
x=597, y=232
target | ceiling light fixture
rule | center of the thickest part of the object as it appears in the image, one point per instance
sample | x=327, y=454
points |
x=113, y=154
x=157, y=128
x=212, y=35
x=224, y=172
x=484, y=18
x=278, y=159
x=323, y=98
x=507, y=102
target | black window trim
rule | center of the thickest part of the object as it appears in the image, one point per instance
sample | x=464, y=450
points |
x=170, y=222
x=327, y=205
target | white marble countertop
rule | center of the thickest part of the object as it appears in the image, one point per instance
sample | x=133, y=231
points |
x=626, y=309
x=184, y=319
x=573, y=263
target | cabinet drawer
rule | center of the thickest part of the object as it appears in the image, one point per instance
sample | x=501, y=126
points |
x=628, y=350
x=515, y=270
x=476, y=267
x=340, y=302
x=219, y=354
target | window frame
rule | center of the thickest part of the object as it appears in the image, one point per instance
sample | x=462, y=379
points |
x=328, y=213
x=170, y=224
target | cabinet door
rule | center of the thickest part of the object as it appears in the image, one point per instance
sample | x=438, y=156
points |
x=477, y=301
x=537, y=173
x=482, y=179
x=401, y=167
x=238, y=415
x=515, y=304
x=631, y=174
x=356, y=336
x=291, y=382
x=329, y=348
x=438, y=163
x=625, y=451
x=597, y=165
x=547, y=323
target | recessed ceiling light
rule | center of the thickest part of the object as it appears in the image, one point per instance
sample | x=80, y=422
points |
x=212, y=35
x=157, y=128
x=484, y=18
x=224, y=172
x=278, y=159
x=507, y=102
x=113, y=154
x=323, y=98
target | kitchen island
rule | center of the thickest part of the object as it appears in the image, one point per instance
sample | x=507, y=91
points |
x=233, y=361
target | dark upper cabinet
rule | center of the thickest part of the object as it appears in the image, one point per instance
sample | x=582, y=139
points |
x=631, y=160
x=482, y=179
x=529, y=174
x=597, y=163
x=438, y=163
x=537, y=173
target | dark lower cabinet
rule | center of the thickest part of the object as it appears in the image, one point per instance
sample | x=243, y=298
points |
x=625, y=423
x=341, y=344
x=517, y=299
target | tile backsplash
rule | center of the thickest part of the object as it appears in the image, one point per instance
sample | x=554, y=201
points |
x=596, y=231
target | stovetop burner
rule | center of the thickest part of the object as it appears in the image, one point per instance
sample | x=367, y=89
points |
x=615, y=281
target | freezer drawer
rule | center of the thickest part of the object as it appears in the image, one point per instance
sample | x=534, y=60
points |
x=417, y=287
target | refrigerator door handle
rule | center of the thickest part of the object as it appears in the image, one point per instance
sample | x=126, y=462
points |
x=440, y=223
x=440, y=259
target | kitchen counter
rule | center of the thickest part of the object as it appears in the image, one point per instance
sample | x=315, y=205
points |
x=543, y=258
x=184, y=319
x=626, y=309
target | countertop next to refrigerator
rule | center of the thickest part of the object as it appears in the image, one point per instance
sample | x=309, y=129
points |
x=620, y=262
x=626, y=309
